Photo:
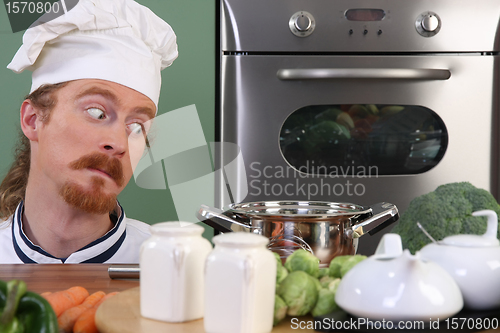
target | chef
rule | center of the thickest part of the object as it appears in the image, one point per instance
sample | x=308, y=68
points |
x=95, y=88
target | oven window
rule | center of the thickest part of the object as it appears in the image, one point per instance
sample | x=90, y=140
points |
x=352, y=139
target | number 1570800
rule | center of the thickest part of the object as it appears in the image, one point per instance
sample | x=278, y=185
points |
x=32, y=7
x=471, y=323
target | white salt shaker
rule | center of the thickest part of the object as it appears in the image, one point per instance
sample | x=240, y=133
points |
x=240, y=278
x=171, y=263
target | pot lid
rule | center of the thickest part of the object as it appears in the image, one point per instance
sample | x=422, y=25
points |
x=305, y=209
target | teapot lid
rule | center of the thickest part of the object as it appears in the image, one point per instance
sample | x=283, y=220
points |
x=488, y=239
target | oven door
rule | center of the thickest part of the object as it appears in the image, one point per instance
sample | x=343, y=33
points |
x=360, y=129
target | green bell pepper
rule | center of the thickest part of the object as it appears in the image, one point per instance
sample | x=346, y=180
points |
x=24, y=311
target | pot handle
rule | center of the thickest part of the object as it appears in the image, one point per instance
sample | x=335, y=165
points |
x=383, y=214
x=216, y=219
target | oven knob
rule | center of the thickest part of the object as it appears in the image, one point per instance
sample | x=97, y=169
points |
x=428, y=24
x=302, y=24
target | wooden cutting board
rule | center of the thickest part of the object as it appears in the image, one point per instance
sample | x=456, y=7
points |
x=122, y=314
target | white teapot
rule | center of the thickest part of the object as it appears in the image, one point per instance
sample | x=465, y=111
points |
x=395, y=285
x=473, y=261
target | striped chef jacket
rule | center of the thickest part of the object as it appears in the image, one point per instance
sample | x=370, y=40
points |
x=119, y=245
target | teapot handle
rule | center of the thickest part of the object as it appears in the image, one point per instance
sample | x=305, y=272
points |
x=492, y=226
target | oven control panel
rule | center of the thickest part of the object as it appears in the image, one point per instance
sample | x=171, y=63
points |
x=302, y=23
x=298, y=26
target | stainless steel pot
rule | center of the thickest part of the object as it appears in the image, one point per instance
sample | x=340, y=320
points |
x=326, y=229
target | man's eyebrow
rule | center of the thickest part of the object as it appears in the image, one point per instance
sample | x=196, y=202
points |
x=145, y=110
x=98, y=91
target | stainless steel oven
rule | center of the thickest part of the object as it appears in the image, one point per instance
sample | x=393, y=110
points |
x=359, y=101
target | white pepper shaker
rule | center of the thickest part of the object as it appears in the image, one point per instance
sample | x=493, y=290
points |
x=171, y=263
x=240, y=282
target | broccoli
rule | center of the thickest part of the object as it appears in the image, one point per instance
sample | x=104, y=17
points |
x=446, y=211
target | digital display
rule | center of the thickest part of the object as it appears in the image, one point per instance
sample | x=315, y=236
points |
x=365, y=14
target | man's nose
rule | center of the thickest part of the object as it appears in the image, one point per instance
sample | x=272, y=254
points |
x=114, y=142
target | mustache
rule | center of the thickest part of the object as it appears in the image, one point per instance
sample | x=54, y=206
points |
x=102, y=162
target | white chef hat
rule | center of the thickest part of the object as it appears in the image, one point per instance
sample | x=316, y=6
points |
x=115, y=40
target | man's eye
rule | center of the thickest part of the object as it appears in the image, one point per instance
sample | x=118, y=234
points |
x=136, y=129
x=96, y=113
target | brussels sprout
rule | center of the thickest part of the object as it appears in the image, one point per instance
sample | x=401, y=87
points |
x=336, y=264
x=316, y=282
x=325, y=304
x=278, y=258
x=325, y=281
x=323, y=272
x=281, y=272
x=333, y=285
x=299, y=292
x=279, y=309
x=302, y=260
x=350, y=263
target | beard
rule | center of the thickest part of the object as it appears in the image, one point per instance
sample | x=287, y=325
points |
x=93, y=200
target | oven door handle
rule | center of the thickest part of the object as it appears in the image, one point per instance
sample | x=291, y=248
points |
x=364, y=73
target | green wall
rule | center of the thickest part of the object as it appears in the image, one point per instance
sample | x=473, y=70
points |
x=190, y=80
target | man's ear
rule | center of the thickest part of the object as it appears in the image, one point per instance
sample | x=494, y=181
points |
x=29, y=117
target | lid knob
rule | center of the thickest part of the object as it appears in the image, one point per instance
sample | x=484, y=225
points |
x=390, y=246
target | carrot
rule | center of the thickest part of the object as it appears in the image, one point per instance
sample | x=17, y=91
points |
x=65, y=299
x=86, y=322
x=68, y=318
x=47, y=293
